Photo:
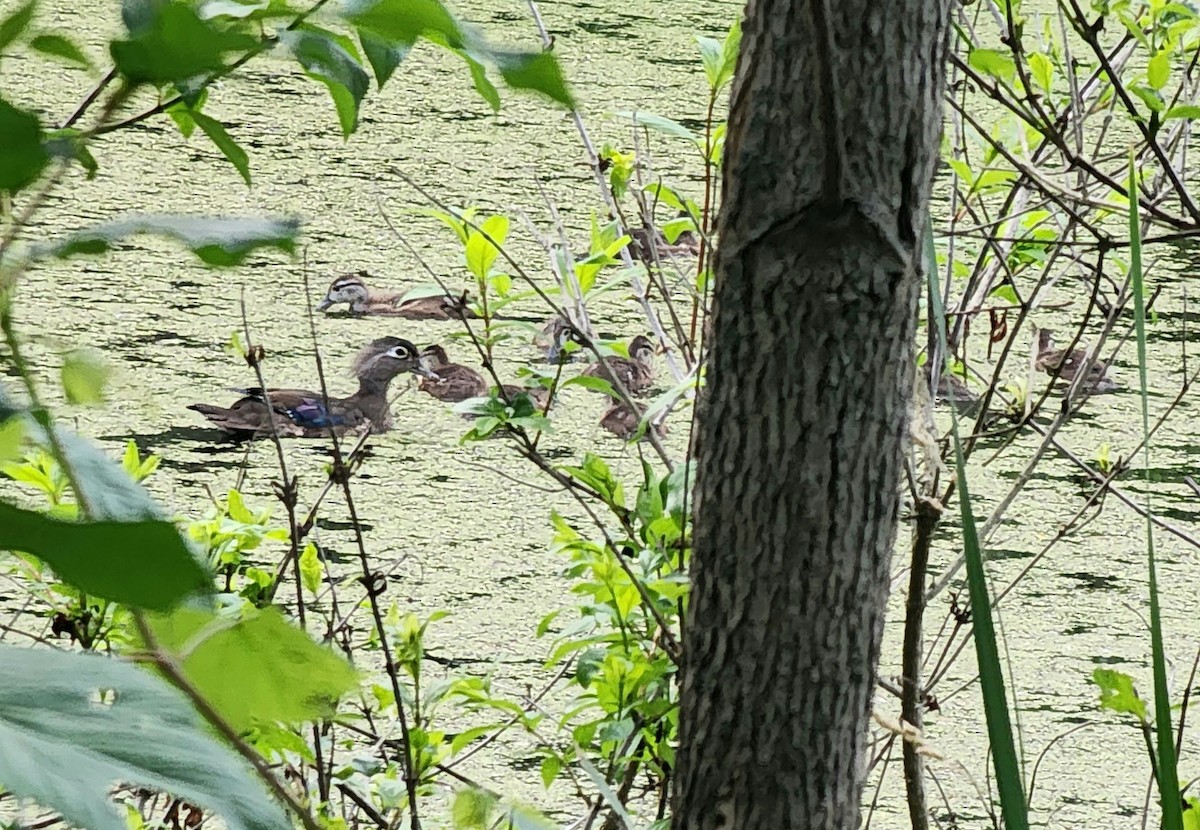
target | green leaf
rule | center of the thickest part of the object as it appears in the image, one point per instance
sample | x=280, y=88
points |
x=215, y=130
x=483, y=85
x=1158, y=70
x=998, y=65
x=57, y=46
x=312, y=572
x=481, y=254
x=75, y=726
x=169, y=43
x=1041, y=68
x=402, y=22
x=22, y=155
x=220, y=241
x=327, y=61
x=256, y=669
x=657, y=122
x=1183, y=111
x=712, y=58
x=145, y=564
x=384, y=57
x=69, y=144
x=83, y=377
x=472, y=809
x=1118, y=693
x=12, y=437
x=1150, y=97
x=535, y=71
x=16, y=23
x=551, y=767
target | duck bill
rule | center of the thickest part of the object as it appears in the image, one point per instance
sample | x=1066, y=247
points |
x=325, y=303
x=426, y=372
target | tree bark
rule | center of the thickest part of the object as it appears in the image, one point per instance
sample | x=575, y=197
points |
x=833, y=138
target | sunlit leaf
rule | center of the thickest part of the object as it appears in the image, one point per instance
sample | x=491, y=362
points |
x=84, y=375
x=480, y=252
x=1158, y=70
x=328, y=61
x=402, y=22
x=1041, y=68
x=472, y=809
x=57, y=46
x=12, y=436
x=998, y=65
x=657, y=122
x=312, y=572
x=1118, y=693
x=144, y=564
x=22, y=155
x=259, y=668
x=220, y=241
x=1183, y=111
x=75, y=726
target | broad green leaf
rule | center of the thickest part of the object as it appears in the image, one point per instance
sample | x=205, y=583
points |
x=402, y=22
x=259, y=668
x=481, y=254
x=16, y=23
x=84, y=375
x=69, y=144
x=1041, y=68
x=657, y=122
x=326, y=60
x=472, y=809
x=1158, y=70
x=998, y=65
x=1118, y=693
x=1183, y=111
x=731, y=47
x=169, y=43
x=220, y=241
x=22, y=155
x=57, y=46
x=383, y=56
x=215, y=130
x=551, y=767
x=75, y=726
x=145, y=564
x=1150, y=97
x=536, y=71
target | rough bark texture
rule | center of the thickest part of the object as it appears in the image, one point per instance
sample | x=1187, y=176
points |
x=833, y=137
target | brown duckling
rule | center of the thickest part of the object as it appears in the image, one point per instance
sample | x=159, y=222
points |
x=622, y=421
x=451, y=381
x=686, y=244
x=1067, y=365
x=305, y=414
x=352, y=289
x=635, y=372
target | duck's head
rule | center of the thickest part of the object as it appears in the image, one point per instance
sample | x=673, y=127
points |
x=557, y=333
x=434, y=357
x=641, y=349
x=387, y=357
x=348, y=288
x=1045, y=340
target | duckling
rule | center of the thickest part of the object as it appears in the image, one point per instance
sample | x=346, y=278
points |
x=635, y=372
x=686, y=244
x=1068, y=364
x=622, y=421
x=299, y=413
x=352, y=289
x=450, y=381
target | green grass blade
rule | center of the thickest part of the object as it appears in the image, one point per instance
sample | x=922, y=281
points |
x=991, y=678
x=1168, y=776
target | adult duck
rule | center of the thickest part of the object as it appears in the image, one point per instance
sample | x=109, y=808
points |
x=300, y=413
x=1067, y=365
x=353, y=290
x=636, y=372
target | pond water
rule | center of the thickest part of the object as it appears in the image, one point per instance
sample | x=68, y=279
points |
x=461, y=536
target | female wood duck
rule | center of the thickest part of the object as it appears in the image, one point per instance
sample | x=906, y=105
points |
x=1068, y=364
x=635, y=372
x=301, y=413
x=352, y=289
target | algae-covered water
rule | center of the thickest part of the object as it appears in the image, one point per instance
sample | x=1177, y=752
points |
x=457, y=534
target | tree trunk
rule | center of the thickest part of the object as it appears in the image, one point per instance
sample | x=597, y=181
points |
x=833, y=138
